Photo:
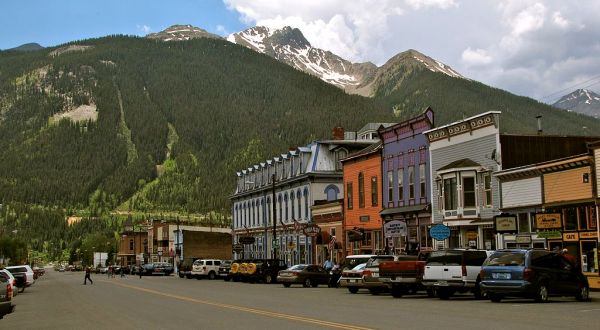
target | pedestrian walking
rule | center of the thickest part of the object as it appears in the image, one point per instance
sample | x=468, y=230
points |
x=140, y=270
x=109, y=272
x=122, y=271
x=88, y=271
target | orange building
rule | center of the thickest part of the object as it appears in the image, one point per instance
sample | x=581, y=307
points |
x=362, y=223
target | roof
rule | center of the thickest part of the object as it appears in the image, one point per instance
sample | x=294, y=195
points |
x=465, y=162
x=544, y=167
x=405, y=209
x=461, y=121
x=373, y=148
x=374, y=127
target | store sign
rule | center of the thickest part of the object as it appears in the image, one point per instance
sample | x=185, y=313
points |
x=237, y=248
x=588, y=234
x=505, y=224
x=523, y=239
x=395, y=228
x=570, y=237
x=472, y=235
x=548, y=220
x=550, y=234
x=312, y=230
x=439, y=232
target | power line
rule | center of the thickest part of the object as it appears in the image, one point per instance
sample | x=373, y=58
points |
x=570, y=88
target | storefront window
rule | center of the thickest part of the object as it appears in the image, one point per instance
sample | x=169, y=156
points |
x=589, y=257
x=570, y=218
x=523, y=219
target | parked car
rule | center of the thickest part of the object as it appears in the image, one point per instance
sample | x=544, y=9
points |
x=532, y=273
x=454, y=270
x=371, y=274
x=264, y=270
x=307, y=275
x=405, y=274
x=208, y=268
x=224, y=270
x=354, y=260
x=352, y=278
x=11, y=279
x=101, y=270
x=6, y=297
x=157, y=268
x=26, y=271
x=185, y=267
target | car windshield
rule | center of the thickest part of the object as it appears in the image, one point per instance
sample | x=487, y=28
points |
x=439, y=258
x=506, y=258
x=359, y=267
x=376, y=260
x=298, y=267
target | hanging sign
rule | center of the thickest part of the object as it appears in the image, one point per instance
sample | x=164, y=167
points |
x=312, y=230
x=395, y=228
x=439, y=232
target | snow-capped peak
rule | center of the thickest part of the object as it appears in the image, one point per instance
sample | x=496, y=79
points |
x=582, y=101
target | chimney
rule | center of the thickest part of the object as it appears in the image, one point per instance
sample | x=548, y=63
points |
x=539, y=124
x=338, y=133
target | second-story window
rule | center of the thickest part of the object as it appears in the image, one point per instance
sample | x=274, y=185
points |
x=487, y=187
x=131, y=245
x=422, y=188
x=411, y=182
x=349, y=195
x=450, y=194
x=400, y=184
x=361, y=190
x=468, y=192
x=390, y=176
x=374, y=196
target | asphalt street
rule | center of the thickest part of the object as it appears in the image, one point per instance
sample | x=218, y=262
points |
x=61, y=301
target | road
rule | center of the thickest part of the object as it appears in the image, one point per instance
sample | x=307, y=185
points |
x=60, y=301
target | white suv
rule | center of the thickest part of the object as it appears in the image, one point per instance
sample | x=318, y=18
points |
x=454, y=270
x=24, y=269
x=205, y=268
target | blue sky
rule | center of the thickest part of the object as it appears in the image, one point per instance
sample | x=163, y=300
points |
x=537, y=48
x=51, y=23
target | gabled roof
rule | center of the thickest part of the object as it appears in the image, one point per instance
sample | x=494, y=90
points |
x=461, y=163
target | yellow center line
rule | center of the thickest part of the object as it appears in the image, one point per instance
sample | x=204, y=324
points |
x=247, y=309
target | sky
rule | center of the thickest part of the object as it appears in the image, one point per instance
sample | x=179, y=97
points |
x=540, y=49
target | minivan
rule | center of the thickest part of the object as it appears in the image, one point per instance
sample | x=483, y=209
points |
x=532, y=273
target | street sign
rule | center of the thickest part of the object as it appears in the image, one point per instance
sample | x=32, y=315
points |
x=312, y=230
x=439, y=232
x=246, y=240
x=237, y=248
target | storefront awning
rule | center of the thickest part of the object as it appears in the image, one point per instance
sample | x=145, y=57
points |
x=405, y=209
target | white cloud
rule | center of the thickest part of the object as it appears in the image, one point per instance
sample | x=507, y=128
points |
x=443, y=4
x=528, y=47
x=222, y=30
x=476, y=57
x=144, y=28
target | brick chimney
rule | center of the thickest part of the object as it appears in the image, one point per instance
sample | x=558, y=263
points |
x=338, y=133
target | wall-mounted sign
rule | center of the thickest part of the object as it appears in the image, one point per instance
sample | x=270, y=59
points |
x=439, y=232
x=237, y=248
x=549, y=234
x=312, y=230
x=523, y=239
x=570, y=237
x=472, y=235
x=505, y=223
x=588, y=234
x=395, y=228
x=246, y=240
x=548, y=220
x=364, y=218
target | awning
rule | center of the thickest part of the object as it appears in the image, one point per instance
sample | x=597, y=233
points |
x=405, y=209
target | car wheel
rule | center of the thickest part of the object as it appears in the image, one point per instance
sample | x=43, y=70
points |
x=268, y=279
x=542, y=293
x=353, y=289
x=211, y=276
x=583, y=294
x=398, y=291
x=307, y=282
x=477, y=291
x=494, y=297
x=286, y=285
x=181, y=275
x=430, y=292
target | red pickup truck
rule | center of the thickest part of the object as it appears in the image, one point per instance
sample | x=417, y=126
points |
x=405, y=275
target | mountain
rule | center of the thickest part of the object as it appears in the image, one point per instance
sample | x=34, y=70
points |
x=28, y=47
x=131, y=122
x=291, y=47
x=182, y=32
x=581, y=101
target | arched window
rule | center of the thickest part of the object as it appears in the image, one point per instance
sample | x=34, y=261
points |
x=268, y=211
x=299, y=199
x=252, y=217
x=287, y=214
x=332, y=191
x=361, y=190
x=292, y=198
x=280, y=208
x=306, y=203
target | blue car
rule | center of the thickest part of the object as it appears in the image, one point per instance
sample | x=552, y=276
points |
x=531, y=273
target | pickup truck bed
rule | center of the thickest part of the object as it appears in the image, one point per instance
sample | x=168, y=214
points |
x=403, y=276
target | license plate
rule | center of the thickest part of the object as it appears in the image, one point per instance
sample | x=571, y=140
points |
x=501, y=276
x=441, y=283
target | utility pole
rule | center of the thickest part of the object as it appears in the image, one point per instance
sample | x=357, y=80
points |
x=273, y=243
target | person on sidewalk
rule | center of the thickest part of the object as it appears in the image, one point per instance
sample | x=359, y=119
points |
x=88, y=271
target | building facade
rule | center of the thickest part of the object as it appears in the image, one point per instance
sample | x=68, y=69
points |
x=406, y=203
x=295, y=181
x=464, y=155
x=362, y=224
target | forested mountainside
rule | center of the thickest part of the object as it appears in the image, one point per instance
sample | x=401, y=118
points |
x=97, y=120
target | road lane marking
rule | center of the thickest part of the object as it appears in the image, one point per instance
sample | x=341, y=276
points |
x=247, y=309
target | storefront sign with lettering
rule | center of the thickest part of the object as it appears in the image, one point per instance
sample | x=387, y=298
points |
x=505, y=224
x=570, y=237
x=548, y=220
